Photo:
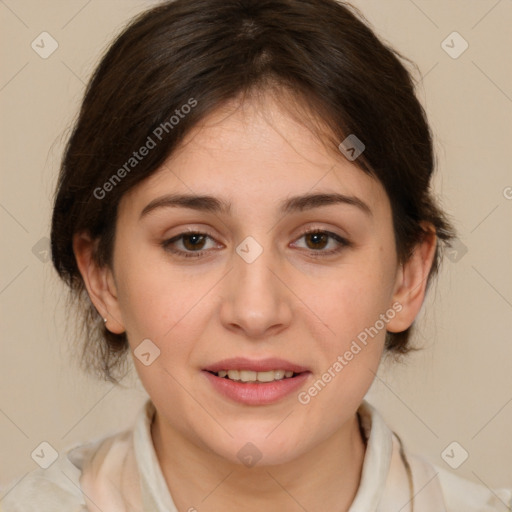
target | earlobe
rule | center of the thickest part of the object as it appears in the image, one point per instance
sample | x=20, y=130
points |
x=99, y=282
x=411, y=282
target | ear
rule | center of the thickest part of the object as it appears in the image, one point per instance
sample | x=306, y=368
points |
x=99, y=282
x=411, y=281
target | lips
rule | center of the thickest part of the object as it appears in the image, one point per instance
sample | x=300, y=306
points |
x=261, y=365
x=256, y=393
x=276, y=379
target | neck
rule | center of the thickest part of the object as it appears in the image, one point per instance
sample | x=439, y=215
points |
x=326, y=478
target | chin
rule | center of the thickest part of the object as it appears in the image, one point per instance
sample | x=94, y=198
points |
x=259, y=452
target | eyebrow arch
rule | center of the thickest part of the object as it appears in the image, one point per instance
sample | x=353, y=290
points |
x=293, y=204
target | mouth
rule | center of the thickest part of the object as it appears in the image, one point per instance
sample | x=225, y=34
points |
x=256, y=382
x=253, y=376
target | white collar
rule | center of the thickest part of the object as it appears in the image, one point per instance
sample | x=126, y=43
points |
x=377, y=459
x=111, y=470
x=370, y=493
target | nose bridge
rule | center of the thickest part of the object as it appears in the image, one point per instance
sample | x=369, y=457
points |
x=252, y=267
x=256, y=300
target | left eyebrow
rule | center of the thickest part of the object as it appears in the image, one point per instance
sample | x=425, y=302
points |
x=310, y=201
x=213, y=204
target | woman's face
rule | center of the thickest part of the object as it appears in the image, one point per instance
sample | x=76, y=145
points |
x=249, y=283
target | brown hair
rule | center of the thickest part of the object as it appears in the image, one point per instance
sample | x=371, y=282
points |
x=204, y=53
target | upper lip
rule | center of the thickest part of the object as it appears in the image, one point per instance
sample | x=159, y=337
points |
x=260, y=365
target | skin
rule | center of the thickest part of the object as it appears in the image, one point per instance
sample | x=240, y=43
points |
x=287, y=303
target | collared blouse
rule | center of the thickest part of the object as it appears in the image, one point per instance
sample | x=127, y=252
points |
x=121, y=473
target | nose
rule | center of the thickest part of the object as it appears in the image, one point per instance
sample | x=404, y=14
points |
x=256, y=298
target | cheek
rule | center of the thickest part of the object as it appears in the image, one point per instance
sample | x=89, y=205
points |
x=141, y=301
x=355, y=336
x=162, y=303
x=351, y=351
x=354, y=297
x=161, y=306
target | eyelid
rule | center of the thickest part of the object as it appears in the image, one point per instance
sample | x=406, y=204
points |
x=167, y=243
x=341, y=241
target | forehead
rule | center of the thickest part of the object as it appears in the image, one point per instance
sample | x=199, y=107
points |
x=253, y=154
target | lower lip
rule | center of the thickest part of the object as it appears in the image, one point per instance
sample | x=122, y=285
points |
x=256, y=393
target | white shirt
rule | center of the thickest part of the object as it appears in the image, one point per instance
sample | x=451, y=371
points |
x=121, y=473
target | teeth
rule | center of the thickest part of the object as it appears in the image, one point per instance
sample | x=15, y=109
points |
x=270, y=375
x=251, y=376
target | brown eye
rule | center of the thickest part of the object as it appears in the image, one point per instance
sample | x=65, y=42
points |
x=192, y=244
x=316, y=241
x=194, y=241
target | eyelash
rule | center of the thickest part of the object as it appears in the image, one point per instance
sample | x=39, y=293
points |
x=343, y=243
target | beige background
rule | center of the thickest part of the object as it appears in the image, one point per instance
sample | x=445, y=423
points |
x=458, y=389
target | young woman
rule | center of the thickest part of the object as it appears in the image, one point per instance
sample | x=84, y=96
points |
x=245, y=206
